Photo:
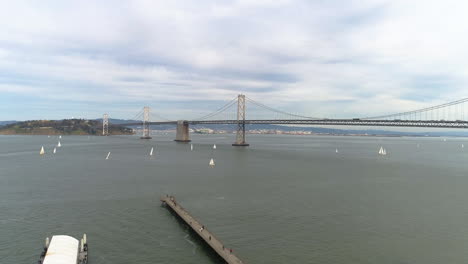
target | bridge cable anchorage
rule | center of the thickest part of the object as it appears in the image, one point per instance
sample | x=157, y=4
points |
x=220, y=110
x=422, y=110
x=279, y=111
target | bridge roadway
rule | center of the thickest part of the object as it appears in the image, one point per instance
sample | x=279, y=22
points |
x=201, y=230
x=325, y=122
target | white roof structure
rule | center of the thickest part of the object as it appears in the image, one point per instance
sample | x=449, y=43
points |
x=62, y=250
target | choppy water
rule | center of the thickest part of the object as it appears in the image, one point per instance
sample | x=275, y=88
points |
x=285, y=199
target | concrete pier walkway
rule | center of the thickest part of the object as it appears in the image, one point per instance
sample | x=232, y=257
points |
x=201, y=230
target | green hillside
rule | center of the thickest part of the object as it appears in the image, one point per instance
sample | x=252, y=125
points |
x=61, y=127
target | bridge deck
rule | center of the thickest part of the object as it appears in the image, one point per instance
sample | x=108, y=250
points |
x=327, y=122
x=201, y=230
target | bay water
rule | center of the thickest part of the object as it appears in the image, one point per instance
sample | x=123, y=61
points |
x=284, y=199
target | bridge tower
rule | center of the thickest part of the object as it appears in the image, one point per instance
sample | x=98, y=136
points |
x=105, y=125
x=240, y=135
x=146, y=120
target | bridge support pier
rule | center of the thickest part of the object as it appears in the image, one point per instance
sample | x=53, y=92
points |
x=182, y=134
x=240, y=135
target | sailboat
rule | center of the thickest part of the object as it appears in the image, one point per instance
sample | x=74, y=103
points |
x=59, y=145
x=382, y=151
x=42, y=151
x=214, y=146
x=151, y=152
x=212, y=164
x=191, y=146
x=336, y=151
x=108, y=154
x=60, y=136
x=463, y=146
x=55, y=150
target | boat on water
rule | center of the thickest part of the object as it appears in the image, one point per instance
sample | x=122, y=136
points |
x=41, y=152
x=59, y=145
x=214, y=146
x=55, y=150
x=336, y=150
x=108, y=155
x=382, y=151
x=212, y=163
x=191, y=146
x=60, y=136
x=151, y=152
x=62, y=249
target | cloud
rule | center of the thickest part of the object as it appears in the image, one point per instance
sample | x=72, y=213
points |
x=334, y=58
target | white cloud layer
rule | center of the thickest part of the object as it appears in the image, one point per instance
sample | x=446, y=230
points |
x=324, y=58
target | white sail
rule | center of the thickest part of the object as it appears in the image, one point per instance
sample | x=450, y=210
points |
x=42, y=151
x=108, y=154
x=214, y=146
x=59, y=145
x=463, y=146
x=336, y=151
x=212, y=164
x=55, y=150
x=191, y=146
x=384, y=152
x=60, y=136
x=381, y=150
x=48, y=136
x=151, y=152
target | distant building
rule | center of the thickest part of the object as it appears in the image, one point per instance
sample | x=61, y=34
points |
x=203, y=131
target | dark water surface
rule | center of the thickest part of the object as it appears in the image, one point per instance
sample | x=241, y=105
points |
x=284, y=199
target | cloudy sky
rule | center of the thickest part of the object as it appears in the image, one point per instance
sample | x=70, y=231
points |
x=334, y=58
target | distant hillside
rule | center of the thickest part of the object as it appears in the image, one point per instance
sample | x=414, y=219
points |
x=4, y=123
x=60, y=127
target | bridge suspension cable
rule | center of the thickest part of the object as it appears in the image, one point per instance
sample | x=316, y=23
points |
x=138, y=116
x=422, y=110
x=278, y=111
x=160, y=117
x=153, y=116
x=220, y=110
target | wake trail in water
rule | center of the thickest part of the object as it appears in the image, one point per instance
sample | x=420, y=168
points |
x=191, y=243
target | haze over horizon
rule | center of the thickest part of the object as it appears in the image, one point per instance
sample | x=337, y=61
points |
x=185, y=59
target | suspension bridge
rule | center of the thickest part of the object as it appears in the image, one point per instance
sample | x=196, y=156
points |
x=448, y=115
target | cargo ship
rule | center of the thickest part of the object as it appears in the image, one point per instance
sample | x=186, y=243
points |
x=63, y=249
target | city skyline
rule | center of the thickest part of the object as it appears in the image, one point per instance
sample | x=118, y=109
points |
x=334, y=59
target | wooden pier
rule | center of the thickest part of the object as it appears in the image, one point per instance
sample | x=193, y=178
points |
x=201, y=230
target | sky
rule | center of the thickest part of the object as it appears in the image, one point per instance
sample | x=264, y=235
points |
x=334, y=58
